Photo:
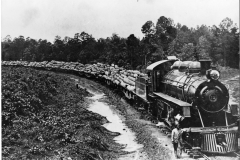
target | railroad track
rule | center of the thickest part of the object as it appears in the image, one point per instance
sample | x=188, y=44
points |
x=197, y=154
x=205, y=157
x=237, y=154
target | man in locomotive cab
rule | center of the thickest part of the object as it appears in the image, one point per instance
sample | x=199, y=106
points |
x=158, y=70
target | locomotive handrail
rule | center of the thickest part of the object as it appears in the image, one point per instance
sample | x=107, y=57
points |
x=200, y=117
x=211, y=129
x=172, y=99
x=152, y=66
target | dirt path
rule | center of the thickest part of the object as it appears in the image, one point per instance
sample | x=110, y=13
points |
x=156, y=144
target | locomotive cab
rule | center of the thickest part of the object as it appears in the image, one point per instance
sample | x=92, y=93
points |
x=162, y=109
x=157, y=71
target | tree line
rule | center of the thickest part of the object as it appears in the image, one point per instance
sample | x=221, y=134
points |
x=220, y=43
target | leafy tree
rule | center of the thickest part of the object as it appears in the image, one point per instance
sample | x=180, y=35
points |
x=6, y=42
x=183, y=37
x=148, y=29
x=87, y=53
x=132, y=45
x=204, y=47
x=233, y=54
x=220, y=43
x=17, y=48
x=184, y=28
x=165, y=34
x=44, y=48
x=116, y=50
x=226, y=37
x=188, y=52
x=30, y=51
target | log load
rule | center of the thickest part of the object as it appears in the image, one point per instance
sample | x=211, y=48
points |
x=55, y=64
x=118, y=75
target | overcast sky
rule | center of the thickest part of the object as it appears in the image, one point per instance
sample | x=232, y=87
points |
x=47, y=18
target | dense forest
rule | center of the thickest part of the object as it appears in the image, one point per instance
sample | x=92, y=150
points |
x=220, y=43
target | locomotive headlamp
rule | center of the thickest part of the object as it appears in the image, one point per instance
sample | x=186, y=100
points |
x=213, y=74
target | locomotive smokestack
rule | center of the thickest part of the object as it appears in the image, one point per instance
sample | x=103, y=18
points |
x=205, y=65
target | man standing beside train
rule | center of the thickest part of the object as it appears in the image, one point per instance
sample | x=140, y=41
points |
x=177, y=139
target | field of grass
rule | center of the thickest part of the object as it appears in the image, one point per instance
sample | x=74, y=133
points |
x=44, y=116
x=227, y=73
x=230, y=77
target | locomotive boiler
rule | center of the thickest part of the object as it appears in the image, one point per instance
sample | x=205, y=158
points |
x=190, y=92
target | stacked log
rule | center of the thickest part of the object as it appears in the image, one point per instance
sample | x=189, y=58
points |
x=79, y=67
x=40, y=64
x=15, y=63
x=101, y=69
x=118, y=75
x=7, y=63
x=55, y=64
x=4, y=63
x=88, y=68
x=94, y=69
x=69, y=65
x=25, y=63
x=32, y=64
x=127, y=78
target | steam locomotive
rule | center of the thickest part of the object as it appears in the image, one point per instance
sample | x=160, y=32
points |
x=188, y=92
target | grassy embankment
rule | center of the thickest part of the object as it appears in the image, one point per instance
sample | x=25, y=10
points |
x=44, y=116
x=229, y=76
